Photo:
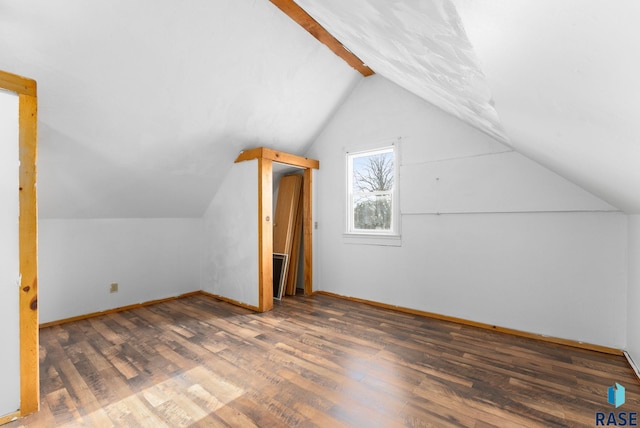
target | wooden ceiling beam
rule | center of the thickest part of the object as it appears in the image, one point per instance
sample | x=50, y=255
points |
x=305, y=20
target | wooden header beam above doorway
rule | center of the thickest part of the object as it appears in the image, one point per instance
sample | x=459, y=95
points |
x=305, y=20
x=18, y=84
x=277, y=156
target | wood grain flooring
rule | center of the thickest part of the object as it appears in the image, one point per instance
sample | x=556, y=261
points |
x=312, y=361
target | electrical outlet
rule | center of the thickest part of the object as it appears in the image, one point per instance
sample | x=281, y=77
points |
x=114, y=288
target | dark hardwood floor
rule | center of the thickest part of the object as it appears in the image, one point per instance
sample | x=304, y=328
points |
x=312, y=361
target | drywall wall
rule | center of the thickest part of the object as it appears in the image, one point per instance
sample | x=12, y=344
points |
x=633, y=299
x=230, y=246
x=9, y=260
x=496, y=182
x=149, y=259
x=142, y=119
x=487, y=235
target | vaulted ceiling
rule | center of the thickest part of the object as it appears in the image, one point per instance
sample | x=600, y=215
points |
x=145, y=104
x=564, y=77
x=556, y=80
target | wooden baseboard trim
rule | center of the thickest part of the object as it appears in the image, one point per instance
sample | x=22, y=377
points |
x=567, y=342
x=233, y=302
x=9, y=418
x=114, y=310
x=556, y=340
x=633, y=365
x=149, y=303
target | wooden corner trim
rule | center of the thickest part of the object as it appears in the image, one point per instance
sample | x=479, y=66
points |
x=556, y=340
x=277, y=156
x=295, y=12
x=265, y=235
x=307, y=230
x=18, y=84
x=28, y=249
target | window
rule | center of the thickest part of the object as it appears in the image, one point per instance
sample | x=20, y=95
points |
x=372, y=202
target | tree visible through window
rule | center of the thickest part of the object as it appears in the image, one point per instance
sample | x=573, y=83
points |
x=371, y=191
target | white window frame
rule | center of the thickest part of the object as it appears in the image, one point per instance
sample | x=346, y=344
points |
x=390, y=237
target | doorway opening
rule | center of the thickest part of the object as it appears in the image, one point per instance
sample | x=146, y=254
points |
x=266, y=159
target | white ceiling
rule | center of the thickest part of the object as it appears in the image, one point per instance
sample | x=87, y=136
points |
x=556, y=80
x=143, y=105
x=419, y=45
x=564, y=77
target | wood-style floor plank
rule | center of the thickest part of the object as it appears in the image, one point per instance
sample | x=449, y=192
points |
x=312, y=361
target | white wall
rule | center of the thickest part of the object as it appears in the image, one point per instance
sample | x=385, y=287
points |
x=230, y=250
x=149, y=259
x=633, y=299
x=487, y=235
x=9, y=260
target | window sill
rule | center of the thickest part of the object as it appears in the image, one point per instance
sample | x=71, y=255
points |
x=371, y=239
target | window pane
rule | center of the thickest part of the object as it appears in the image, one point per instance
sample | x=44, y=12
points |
x=372, y=212
x=373, y=173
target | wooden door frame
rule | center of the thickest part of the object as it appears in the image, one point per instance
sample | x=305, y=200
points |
x=266, y=157
x=28, y=240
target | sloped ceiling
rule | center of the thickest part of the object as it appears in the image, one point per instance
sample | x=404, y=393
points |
x=421, y=46
x=556, y=80
x=564, y=77
x=144, y=105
